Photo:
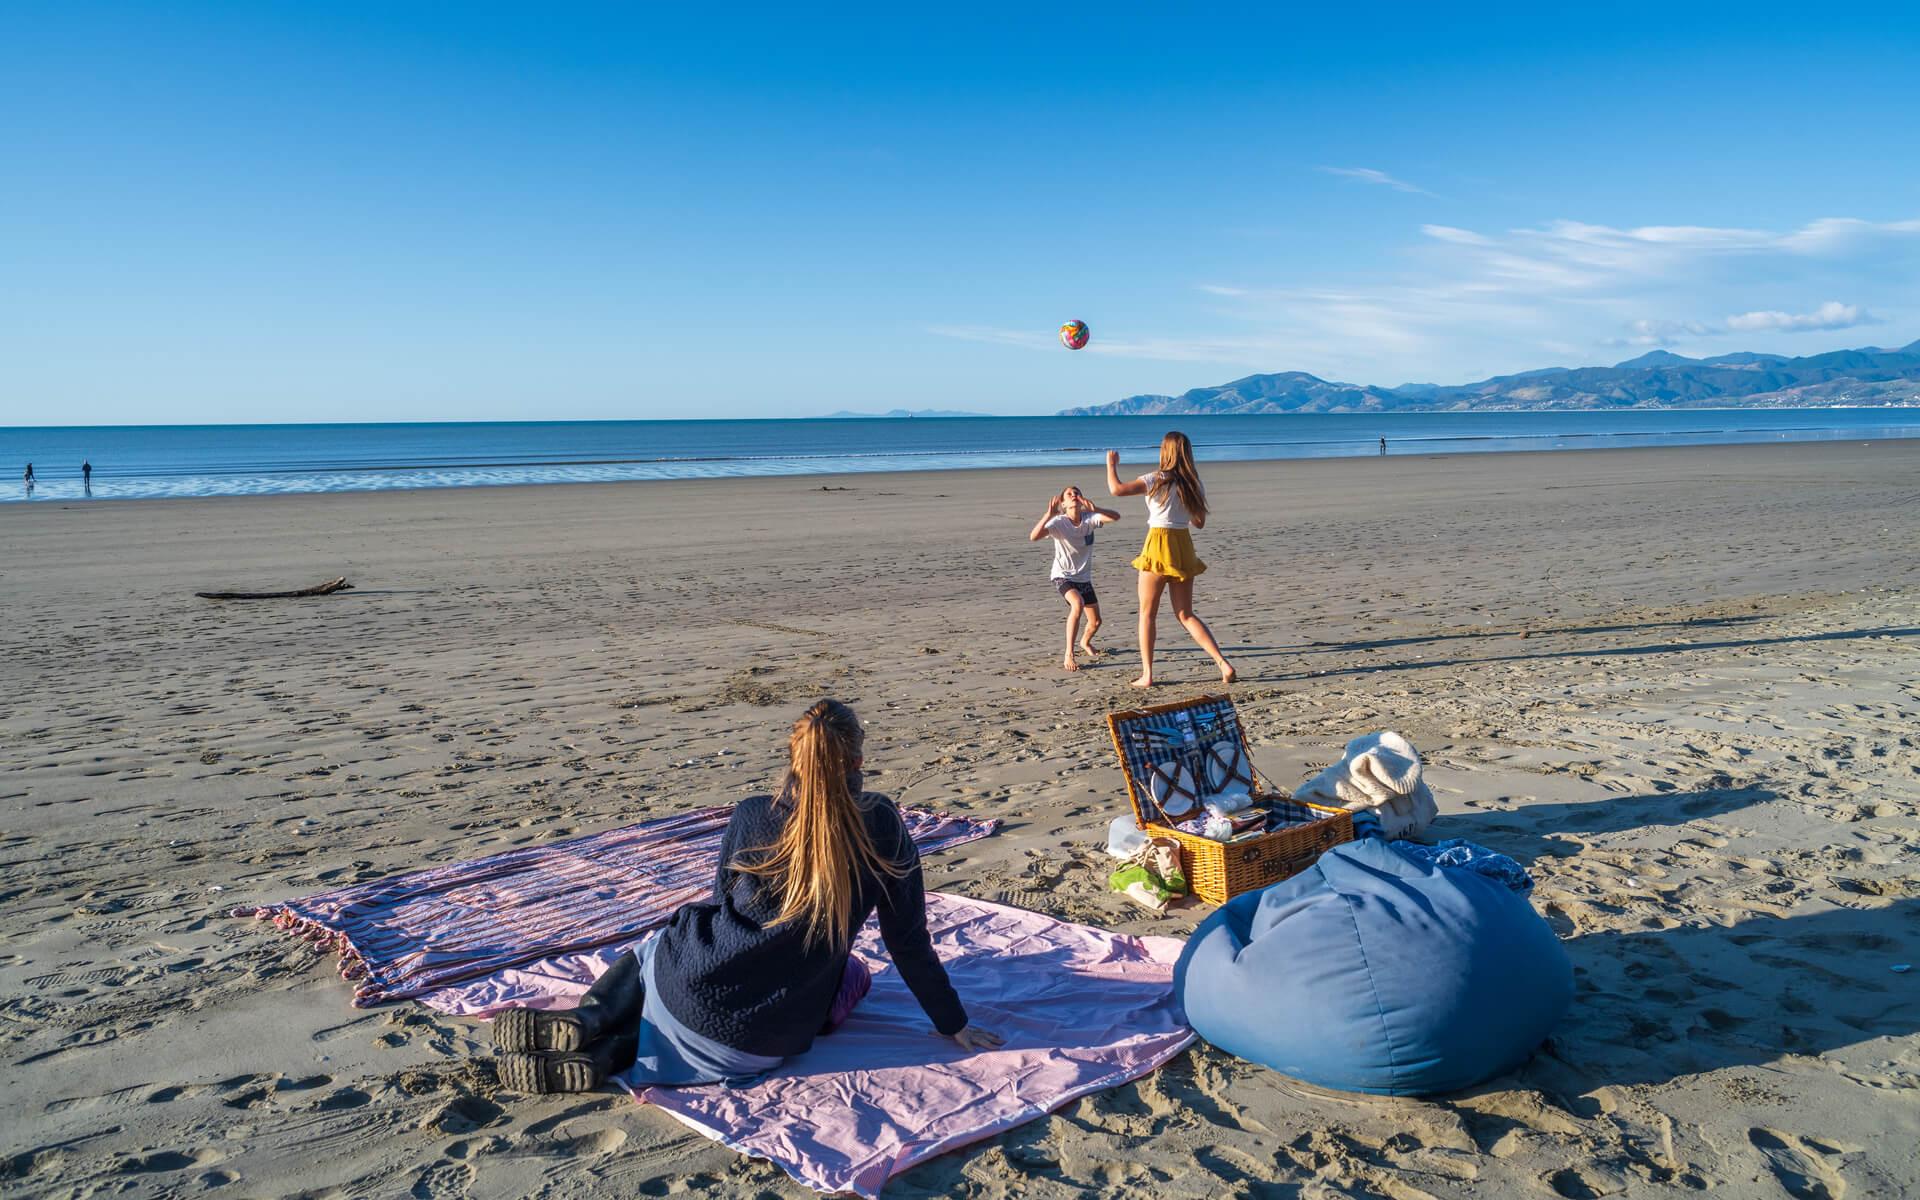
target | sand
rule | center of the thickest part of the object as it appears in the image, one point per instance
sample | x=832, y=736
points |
x=1680, y=683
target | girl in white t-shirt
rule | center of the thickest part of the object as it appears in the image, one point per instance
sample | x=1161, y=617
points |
x=1175, y=501
x=1070, y=520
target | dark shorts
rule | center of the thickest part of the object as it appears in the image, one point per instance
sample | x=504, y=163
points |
x=1087, y=596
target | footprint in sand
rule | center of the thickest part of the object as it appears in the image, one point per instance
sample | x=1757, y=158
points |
x=1588, y=1182
x=464, y=1114
x=1802, y=1165
x=598, y=1142
x=346, y=1097
x=168, y=1160
x=443, y=1178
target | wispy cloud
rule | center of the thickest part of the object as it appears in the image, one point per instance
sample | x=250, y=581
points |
x=1649, y=332
x=1459, y=237
x=1832, y=234
x=1534, y=290
x=1831, y=315
x=1369, y=175
x=1573, y=254
x=1026, y=339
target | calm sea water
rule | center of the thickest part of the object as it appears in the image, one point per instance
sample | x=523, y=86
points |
x=210, y=460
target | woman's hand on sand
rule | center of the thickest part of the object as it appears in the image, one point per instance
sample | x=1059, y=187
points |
x=972, y=1037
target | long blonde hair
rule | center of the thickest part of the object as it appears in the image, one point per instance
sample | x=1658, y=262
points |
x=823, y=849
x=1178, y=472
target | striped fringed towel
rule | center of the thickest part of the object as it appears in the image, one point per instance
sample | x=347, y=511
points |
x=406, y=935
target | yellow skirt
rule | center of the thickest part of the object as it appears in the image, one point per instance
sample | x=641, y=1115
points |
x=1169, y=552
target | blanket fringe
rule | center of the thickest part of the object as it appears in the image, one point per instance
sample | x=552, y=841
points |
x=352, y=966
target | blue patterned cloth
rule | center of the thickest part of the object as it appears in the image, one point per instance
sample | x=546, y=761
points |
x=1459, y=852
x=1366, y=824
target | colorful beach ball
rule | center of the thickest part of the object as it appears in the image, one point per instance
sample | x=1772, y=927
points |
x=1074, y=335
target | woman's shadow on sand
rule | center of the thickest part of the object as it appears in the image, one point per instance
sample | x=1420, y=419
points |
x=1653, y=1005
x=1537, y=831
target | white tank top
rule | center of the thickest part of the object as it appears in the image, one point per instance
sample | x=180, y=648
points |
x=1167, y=510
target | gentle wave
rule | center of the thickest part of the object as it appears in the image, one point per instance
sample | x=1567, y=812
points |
x=166, y=462
x=460, y=463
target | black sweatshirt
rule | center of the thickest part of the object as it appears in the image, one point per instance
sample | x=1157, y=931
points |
x=727, y=972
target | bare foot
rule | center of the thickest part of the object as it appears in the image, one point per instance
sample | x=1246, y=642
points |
x=1087, y=649
x=1145, y=681
x=1068, y=664
x=1228, y=674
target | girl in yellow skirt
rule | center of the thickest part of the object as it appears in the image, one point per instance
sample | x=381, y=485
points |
x=1175, y=501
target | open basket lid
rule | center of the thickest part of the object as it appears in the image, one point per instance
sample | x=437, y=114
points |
x=1155, y=734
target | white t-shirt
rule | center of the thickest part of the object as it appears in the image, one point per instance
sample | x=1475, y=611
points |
x=1167, y=511
x=1073, y=546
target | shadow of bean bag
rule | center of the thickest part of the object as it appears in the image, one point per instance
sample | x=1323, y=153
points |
x=1369, y=972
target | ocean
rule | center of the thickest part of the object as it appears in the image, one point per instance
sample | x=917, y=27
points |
x=157, y=461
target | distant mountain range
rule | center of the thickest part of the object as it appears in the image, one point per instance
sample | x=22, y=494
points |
x=1658, y=379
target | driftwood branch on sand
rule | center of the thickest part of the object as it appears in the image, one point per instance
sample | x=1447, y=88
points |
x=325, y=589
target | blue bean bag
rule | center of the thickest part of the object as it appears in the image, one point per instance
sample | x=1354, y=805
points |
x=1369, y=972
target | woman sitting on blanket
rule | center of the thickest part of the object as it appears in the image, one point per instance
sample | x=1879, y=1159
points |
x=733, y=985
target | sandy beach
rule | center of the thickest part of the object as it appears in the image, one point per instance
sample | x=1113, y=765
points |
x=1682, y=685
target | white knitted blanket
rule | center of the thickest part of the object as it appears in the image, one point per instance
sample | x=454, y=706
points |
x=1380, y=772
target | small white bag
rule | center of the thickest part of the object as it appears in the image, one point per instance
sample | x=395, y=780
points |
x=1125, y=837
x=1228, y=803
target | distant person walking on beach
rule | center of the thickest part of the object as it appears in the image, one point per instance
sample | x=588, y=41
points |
x=86, y=475
x=737, y=982
x=1175, y=501
x=1070, y=520
x=28, y=478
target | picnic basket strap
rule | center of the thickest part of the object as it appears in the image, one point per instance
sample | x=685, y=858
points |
x=1261, y=785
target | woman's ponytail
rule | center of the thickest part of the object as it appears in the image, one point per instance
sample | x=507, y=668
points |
x=824, y=848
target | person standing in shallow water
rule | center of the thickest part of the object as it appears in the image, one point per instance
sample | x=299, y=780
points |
x=1176, y=502
x=28, y=479
x=86, y=477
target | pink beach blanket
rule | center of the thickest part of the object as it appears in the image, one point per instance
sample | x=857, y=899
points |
x=506, y=923
x=1082, y=1010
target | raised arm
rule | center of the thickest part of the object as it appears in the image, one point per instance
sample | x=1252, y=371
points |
x=1131, y=487
x=1107, y=513
x=1040, y=526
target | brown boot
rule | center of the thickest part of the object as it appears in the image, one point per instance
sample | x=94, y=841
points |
x=611, y=1005
x=545, y=1073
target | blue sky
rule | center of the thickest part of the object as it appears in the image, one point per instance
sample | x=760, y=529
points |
x=278, y=212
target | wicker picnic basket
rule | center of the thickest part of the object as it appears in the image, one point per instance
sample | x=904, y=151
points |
x=1219, y=871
